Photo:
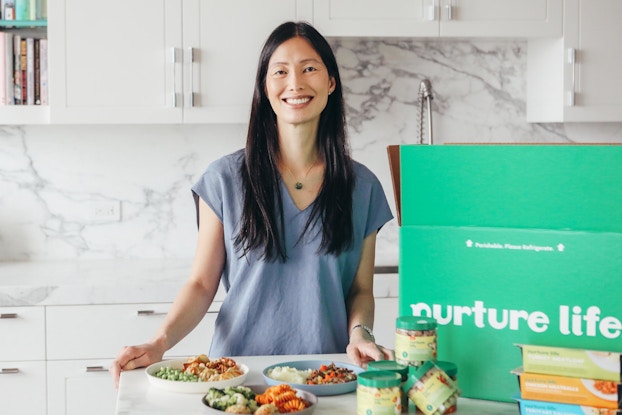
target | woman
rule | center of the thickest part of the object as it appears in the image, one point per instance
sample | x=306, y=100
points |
x=288, y=225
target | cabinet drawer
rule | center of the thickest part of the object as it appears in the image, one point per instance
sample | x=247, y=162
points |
x=22, y=388
x=100, y=331
x=23, y=333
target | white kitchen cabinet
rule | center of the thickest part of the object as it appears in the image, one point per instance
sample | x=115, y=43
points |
x=576, y=78
x=22, y=387
x=82, y=341
x=78, y=387
x=157, y=61
x=99, y=331
x=434, y=18
x=23, y=333
x=22, y=351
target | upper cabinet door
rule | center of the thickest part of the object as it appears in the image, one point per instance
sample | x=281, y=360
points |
x=114, y=61
x=222, y=42
x=575, y=78
x=501, y=18
x=401, y=18
x=433, y=18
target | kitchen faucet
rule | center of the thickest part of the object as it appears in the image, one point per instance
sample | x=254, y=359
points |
x=425, y=94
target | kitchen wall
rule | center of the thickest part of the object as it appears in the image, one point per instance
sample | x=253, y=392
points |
x=52, y=177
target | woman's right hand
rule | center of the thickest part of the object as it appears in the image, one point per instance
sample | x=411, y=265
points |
x=132, y=357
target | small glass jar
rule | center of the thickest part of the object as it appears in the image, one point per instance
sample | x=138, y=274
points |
x=452, y=371
x=378, y=393
x=393, y=366
x=431, y=389
x=416, y=340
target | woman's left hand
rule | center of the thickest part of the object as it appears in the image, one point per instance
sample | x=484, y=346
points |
x=361, y=351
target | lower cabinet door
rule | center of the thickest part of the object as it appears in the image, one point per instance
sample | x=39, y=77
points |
x=22, y=388
x=78, y=387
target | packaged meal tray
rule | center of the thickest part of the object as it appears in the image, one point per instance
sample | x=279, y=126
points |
x=564, y=389
x=529, y=407
x=579, y=363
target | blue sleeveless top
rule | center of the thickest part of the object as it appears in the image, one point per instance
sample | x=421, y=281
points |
x=292, y=307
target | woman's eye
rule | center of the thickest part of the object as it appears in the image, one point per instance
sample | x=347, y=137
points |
x=279, y=72
x=309, y=69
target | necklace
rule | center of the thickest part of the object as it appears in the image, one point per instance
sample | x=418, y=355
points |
x=298, y=184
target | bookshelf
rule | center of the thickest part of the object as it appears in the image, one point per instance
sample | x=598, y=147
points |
x=27, y=57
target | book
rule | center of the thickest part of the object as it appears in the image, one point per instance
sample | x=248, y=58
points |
x=43, y=62
x=7, y=9
x=17, y=69
x=8, y=80
x=37, y=73
x=32, y=9
x=21, y=9
x=3, y=98
x=23, y=69
x=30, y=71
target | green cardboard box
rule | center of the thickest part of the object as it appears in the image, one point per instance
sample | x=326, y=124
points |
x=507, y=244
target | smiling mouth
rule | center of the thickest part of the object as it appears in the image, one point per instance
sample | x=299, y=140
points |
x=297, y=101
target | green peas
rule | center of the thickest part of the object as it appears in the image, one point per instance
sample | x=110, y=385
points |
x=169, y=373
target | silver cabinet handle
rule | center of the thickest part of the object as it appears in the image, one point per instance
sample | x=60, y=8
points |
x=96, y=369
x=190, y=91
x=150, y=313
x=448, y=11
x=9, y=371
x=173, y=58
x=431, y=11
x=8, y=315
x=571, y=59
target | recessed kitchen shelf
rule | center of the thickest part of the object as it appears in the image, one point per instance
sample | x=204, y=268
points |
x=23, y=23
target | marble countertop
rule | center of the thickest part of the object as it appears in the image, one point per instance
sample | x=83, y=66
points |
x=137, y=396
x=84, y=282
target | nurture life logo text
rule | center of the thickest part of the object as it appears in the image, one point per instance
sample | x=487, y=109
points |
x=514, y=247
x=573, y=320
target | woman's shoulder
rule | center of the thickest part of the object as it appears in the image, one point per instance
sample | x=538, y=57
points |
x=227, y=164
x=362, y=172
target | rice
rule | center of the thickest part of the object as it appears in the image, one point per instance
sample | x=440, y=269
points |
x=289, y=374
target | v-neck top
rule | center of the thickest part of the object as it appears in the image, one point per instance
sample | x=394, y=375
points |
x=292, y=307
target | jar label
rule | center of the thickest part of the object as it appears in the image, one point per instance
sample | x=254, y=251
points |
x=434, y=391
x=381, y=401
x=415, y=348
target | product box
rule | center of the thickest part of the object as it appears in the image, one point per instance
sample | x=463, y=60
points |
x=563, y=389
x=580, y=363
x=529, y=407
x=510, y=244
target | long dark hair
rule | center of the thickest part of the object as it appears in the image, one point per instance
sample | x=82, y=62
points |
x=262, y=225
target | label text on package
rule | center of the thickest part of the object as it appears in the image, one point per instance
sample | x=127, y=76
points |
x=572, y=320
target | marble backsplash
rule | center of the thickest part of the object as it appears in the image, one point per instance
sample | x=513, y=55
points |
x=50, y=176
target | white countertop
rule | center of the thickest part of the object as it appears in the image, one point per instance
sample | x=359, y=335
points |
x=110, y=281
x=137, y=396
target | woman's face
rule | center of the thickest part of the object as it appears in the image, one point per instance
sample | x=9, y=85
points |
x=297, y=82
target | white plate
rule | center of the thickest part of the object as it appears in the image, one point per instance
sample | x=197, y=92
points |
x=190, y=387
x=318, y=390
x=589, y=385
x=308, y=396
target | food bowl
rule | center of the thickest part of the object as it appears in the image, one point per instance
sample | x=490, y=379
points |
x=308, y=396
x=318, y=390
x=190, y=387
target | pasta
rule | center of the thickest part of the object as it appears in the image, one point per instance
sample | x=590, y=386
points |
x=283, y=397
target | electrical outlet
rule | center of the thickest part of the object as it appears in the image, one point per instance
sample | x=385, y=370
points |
x=105, y=211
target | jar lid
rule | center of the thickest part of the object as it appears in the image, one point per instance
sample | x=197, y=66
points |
x=416, y=323
x=416, y=373
x=379, y=379
x=390, y=365
x=448, y=367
